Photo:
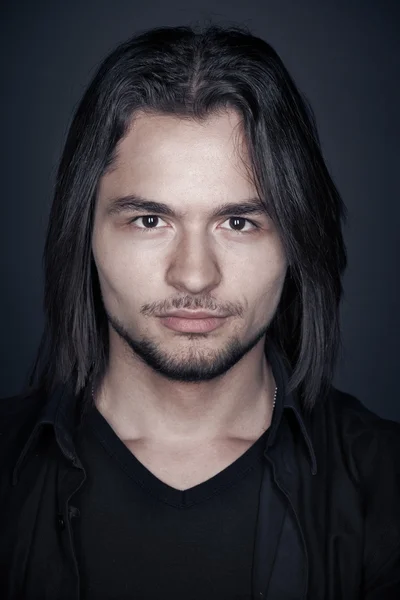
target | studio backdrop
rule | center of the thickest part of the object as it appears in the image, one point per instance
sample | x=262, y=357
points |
x=344, y=57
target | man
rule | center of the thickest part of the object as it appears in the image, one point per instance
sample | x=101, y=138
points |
x=180, y=437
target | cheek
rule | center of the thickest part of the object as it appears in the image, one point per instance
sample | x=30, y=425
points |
x=267, y=290
x=125, y=277
x=123, y=271
x=263, y=268
x=264, y=279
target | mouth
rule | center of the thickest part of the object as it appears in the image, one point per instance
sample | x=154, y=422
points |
x=191, y=324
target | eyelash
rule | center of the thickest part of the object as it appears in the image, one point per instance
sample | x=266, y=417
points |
x=149, y=229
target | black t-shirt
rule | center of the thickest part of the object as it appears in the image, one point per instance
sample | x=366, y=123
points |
x=139, y=538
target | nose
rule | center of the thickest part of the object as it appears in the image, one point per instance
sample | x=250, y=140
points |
x=193, y=267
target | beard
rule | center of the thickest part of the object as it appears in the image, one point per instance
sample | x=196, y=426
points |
x=193, y=363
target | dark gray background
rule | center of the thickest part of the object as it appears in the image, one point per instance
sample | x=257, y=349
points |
x=343, y=55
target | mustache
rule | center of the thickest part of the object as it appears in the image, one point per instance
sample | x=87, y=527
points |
x=189, y=303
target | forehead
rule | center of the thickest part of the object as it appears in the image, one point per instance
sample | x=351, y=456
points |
x=162, y=153
x=220, y=132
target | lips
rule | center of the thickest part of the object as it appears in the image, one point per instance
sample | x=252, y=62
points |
x=194, y=314
x=194, y=322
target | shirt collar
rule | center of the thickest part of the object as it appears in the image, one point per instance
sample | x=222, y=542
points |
x=61, y=408
x=58, y=413
x=287, y=401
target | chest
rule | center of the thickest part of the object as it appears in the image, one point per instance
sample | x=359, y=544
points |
x=184, y=466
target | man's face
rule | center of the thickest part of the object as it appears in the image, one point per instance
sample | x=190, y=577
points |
x=191, y=258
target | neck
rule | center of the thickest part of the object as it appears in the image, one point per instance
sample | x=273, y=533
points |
x=140, y=404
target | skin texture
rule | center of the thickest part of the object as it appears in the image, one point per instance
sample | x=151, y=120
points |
x=164, y=389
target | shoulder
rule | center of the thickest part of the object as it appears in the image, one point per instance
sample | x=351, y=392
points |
x=372, y=447
x=20, y=407
x=351, y=412
x=373, y=441
x=18, y=415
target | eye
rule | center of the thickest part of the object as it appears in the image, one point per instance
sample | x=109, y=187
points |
x=240, y=222
x=150, y=220
x=237, y=224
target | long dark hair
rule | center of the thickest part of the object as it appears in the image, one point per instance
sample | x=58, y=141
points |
x=180, y=71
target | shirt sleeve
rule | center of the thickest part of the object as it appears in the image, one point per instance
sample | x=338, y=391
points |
x=381, y=495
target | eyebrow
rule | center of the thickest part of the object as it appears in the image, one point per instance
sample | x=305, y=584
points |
x=135, y=203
